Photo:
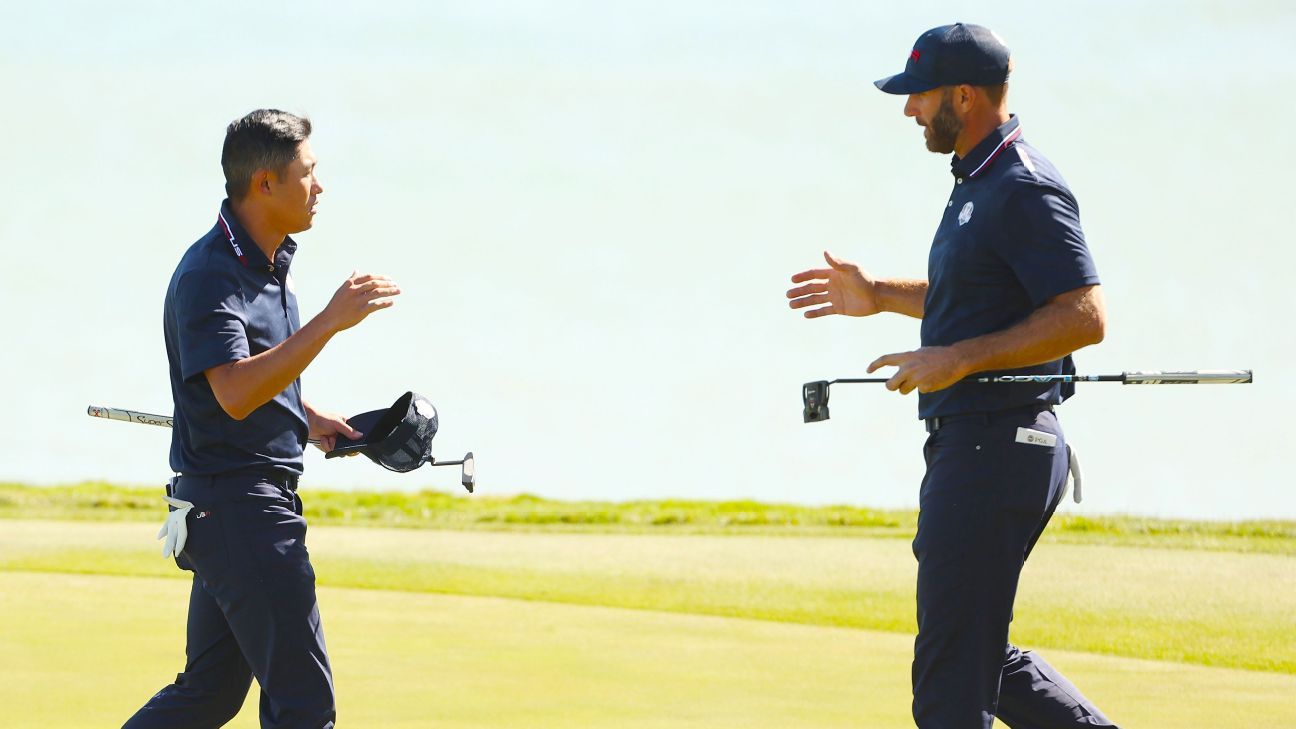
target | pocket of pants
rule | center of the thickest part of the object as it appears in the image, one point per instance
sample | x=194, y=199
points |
x=273, y=538
x=206, y=549
x=978, y=468
x=1029, y=469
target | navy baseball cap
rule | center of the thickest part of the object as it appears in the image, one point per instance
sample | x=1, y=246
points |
x=398, y=438
x=948, y=56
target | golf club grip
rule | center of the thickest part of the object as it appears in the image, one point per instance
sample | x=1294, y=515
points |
x=130, y=416
x=1194, y=377
x=133, y=416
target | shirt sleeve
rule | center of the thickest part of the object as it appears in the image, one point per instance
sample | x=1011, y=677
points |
x=211, y=323
x=1043, y=244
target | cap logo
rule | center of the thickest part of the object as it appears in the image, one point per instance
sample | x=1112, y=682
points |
x=915, y=55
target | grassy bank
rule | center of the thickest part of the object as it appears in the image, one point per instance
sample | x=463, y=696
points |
x=437, y=510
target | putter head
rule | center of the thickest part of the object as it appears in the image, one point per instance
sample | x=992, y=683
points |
x=468, y=474
x=814, y=395
x=469, y=477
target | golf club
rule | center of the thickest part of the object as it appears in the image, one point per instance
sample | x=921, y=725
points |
x=468, y=474
x=814, y=395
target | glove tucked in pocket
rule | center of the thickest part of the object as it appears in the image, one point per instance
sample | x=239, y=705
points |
x=175, y=530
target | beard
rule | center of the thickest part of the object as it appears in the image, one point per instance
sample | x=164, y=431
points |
x=944, y=127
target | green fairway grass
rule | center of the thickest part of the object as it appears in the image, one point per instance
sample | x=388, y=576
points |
x=85, y=651
x=517, y=611
x=1212, y=608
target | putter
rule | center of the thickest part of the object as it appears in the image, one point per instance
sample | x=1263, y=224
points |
x=468, y=472
x=814, y=395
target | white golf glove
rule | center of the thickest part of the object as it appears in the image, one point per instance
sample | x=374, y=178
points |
x=1073, y=465
x=175, y=529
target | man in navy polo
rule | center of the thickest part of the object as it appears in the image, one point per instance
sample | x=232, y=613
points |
x=236, y=351
x=1010, y=289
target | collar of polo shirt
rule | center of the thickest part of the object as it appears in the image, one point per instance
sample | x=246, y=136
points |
x=987, y=150
x=246, y=249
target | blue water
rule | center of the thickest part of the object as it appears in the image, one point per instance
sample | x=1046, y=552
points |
x=594, y=209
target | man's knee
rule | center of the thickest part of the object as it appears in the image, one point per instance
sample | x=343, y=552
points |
x=1034, y=693
x=185, y=704
x=941, y=711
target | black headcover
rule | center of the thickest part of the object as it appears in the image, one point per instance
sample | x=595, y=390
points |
x=814, y=396
x=398, y=438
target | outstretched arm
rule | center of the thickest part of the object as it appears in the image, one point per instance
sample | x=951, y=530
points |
x=1062, y=325
x=847, y=289
x=246, y=384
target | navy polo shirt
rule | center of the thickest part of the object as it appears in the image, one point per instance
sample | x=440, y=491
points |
x=1009, y=241
x=226, y=302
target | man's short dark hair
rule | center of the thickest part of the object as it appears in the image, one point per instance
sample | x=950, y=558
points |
x=995, y=93
x=265, y=139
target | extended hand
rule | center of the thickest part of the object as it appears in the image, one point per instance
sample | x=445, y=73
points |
x=358, y=297
x=175, y=529
x=326, y=427
x=926, y=369
x=844, y=287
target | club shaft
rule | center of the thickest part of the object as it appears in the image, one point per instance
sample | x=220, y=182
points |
x=134, y=416
x=1190, y=377
x=860, y=379
x=1187, y=377
x=1013, y=379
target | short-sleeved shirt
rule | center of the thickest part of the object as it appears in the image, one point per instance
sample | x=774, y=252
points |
x=1009, y=241
x=227, y=302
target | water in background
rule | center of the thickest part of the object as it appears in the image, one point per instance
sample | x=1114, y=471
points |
x=594, y=209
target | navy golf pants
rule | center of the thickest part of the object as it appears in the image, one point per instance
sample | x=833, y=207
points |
x=985, y=500
x=252, y=611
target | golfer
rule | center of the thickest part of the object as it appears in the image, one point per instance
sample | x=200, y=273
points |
x=1010, y=289
x=236, y=352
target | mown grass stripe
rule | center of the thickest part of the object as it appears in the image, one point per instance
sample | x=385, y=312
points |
x=1209, y=608
x=100, y=501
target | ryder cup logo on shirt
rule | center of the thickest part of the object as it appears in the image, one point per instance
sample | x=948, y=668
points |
x=965, y=214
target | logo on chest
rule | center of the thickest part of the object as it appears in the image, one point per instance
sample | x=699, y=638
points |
x=965, y=214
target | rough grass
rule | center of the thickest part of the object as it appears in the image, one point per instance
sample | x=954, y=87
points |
x=438, y=510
